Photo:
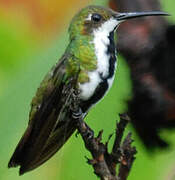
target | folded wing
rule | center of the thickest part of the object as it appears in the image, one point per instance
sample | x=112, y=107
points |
x=50, y=123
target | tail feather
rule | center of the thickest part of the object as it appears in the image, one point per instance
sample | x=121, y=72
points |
x=17, y=157
x=55, y=142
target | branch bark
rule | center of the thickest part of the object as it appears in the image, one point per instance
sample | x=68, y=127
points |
x=104, y=162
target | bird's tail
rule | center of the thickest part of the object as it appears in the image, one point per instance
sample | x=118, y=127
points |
x=29, y=160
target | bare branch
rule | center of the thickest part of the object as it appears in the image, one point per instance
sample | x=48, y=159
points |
x=103, y=162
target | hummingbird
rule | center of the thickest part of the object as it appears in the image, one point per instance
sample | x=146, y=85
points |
x=88, y=65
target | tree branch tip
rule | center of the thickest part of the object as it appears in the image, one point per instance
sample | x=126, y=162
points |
x=128, y=140
x=99, y=136
x=109, y=138
x=124, y=116
x=90, y=161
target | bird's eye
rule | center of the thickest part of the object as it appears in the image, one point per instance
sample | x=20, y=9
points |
x=96, y=17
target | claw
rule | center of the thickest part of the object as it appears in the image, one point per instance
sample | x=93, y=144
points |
x=89, y=134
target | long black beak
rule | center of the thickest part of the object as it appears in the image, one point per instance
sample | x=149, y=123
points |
x=130, y=15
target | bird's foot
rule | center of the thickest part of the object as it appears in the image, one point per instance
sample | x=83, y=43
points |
x=83, y=129
x=89, y=133
x=77, y=114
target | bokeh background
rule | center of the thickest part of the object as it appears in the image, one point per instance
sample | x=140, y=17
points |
x=33, y=35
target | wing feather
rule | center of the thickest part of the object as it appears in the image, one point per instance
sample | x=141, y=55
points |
x=50, y=122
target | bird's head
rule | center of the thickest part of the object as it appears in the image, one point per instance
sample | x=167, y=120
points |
x=96, y=18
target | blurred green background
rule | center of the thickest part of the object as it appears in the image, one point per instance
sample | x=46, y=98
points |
x=33, y=35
